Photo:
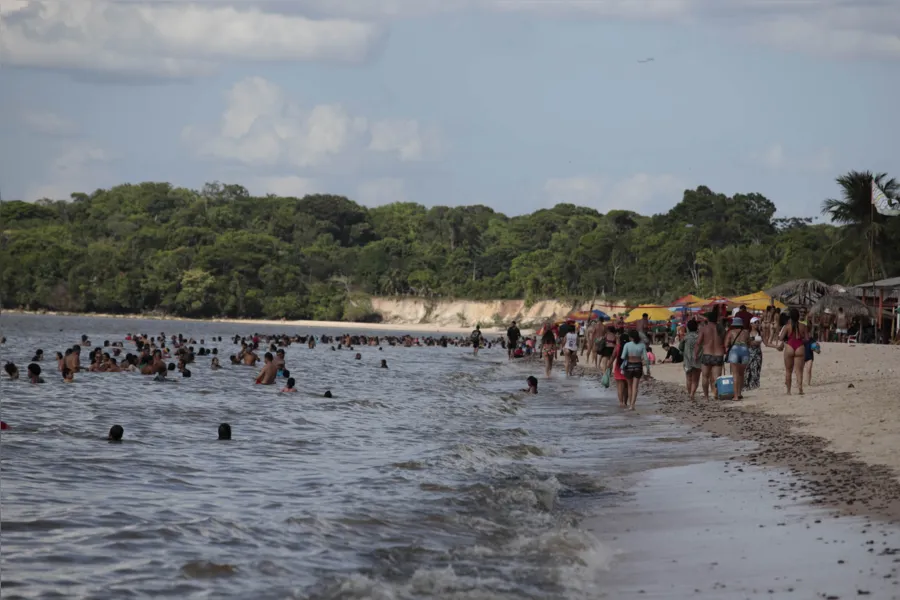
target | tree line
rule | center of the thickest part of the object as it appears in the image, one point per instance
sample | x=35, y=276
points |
x=156, y=248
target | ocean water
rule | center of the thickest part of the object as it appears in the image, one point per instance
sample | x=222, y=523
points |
x=435, y=478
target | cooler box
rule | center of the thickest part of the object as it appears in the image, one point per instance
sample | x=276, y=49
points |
x=725, y=387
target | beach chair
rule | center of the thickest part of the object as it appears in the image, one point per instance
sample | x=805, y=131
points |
x=853, y=339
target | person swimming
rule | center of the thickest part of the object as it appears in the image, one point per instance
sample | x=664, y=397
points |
x=67, y=375
x=290, y=387
x=269, y=371
x=384, y=364
x=115, y=433
x=34, y=373
x=224, y=431
x=12, y=370
x=328, y=394
x=532, y=383
x=214, y=364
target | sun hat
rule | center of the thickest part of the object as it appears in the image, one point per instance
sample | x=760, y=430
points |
x=754, y=320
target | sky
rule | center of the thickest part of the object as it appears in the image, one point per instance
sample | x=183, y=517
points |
x=514, y=104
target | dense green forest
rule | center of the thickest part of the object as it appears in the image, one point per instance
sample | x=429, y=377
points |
x=219, y=251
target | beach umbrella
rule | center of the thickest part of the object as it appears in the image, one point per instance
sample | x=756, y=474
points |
x=758, y=301
x=685, y=309
x=853, y=306
x=689, y=299
x=800, y=291
x=588, y=315
x=654, y=313
x=715, y=301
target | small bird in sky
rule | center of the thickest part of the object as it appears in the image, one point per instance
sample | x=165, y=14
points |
x=646, y=60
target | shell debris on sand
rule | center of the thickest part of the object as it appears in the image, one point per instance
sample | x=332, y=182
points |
x=843, y=445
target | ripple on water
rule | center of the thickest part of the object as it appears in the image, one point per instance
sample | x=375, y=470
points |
x=370, y=494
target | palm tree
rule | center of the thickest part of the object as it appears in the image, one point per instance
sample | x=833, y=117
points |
x=862, y=233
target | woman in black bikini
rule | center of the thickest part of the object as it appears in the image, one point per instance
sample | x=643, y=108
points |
x=607, y=345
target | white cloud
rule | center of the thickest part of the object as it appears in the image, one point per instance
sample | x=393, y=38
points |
x=776, y=158
x=637, y=192
x=171, y=39
x=78, y=167
x=861, y=28
x=186, y=39
x=407, y=138
x=262, y=126
x=48, y=123
x=377, y=192
x=288, y=186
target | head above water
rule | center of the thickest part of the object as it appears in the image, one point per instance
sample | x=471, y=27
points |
x=532, y=382
x=224, y=431
x=291, y=382
x=328, y=393
x=115, y=433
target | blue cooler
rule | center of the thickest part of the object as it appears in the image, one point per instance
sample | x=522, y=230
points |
x=725, y=387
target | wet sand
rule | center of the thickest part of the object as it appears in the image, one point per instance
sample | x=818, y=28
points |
x=841, y=438
x=725, y=530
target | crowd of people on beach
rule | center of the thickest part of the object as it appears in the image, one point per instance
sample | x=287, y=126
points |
x=705, y=345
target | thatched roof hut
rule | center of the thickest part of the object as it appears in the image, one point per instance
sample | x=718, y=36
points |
x=800, y=291
x=853, y=307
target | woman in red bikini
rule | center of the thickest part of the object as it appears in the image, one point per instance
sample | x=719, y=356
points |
x=792, y=338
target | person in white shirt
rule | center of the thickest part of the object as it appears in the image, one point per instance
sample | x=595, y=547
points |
x=571, y=349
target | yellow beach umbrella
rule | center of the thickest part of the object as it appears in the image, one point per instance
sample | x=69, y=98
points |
x=758, y=301
x=689, y=299
x=654, y=313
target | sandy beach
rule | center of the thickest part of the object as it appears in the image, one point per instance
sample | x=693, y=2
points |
x=841, y=437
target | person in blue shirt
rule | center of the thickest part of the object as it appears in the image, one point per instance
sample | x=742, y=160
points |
x=811, y=348
x=634, y=358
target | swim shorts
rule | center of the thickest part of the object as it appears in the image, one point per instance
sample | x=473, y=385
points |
x=607, y=351
x=633, y=370
x=739, y=355
x=710, y=360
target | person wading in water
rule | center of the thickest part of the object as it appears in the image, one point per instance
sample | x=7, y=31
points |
x=512, y=339
x=476, y=338
x=548, y=347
